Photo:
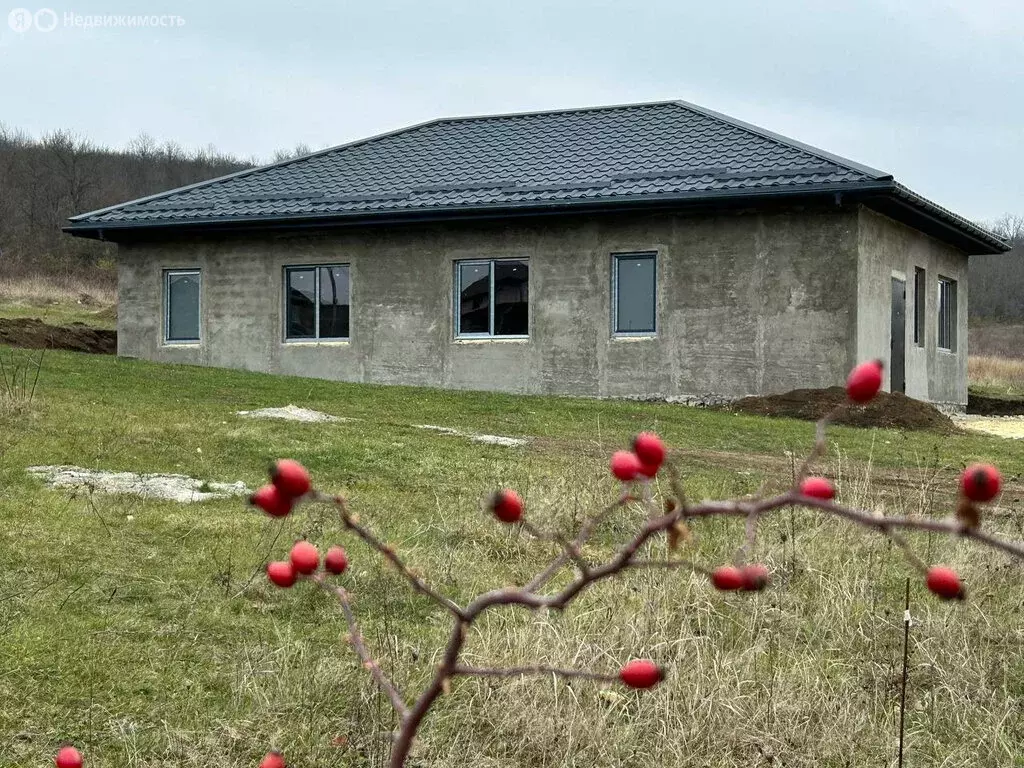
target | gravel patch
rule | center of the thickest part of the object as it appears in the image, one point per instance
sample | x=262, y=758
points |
x=171, y=487
x=292, y=413
x=508, y=442
x=1010, y=427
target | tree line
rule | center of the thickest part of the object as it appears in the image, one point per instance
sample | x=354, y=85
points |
x=45, y=180
x=996, y=282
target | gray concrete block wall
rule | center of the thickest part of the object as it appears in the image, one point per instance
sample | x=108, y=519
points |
x=747, y=303
x=888, y=249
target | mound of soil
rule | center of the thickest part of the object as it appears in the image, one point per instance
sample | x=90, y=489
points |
x=887, y=410
x=35, y=334
x=984, y=405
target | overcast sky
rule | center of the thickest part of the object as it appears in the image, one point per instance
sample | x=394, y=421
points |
x=929, y=90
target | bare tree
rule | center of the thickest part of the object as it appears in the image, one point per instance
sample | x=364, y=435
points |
x=44, y=181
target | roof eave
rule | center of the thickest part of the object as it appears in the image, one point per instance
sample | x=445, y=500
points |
x=108, y=229
x=906, y=206
x=885, y=196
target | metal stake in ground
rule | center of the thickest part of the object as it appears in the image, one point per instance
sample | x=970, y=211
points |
x=906, y=656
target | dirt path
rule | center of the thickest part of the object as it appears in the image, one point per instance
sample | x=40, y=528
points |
x=35, y=334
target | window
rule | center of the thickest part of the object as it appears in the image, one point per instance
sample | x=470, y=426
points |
x=492, y=298
x=920, y=292
x=316, y=302
x=947, y=314
x=634, y=290
x=181, y=306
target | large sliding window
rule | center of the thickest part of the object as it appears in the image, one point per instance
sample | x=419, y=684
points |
x=634, y=294
x=316, y=302
x=492, y=298
x=181, y=306
x=947, y=314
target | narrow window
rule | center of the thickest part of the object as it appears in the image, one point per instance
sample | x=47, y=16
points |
x=316, y=302
x=947, y=314
x=181, y=302
x=492, y=298
x=634, y=291
x=919, y=299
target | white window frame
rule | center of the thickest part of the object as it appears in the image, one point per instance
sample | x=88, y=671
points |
x=168, y=274
x=952, y=310
x=315, y=338
x=457, y=298
x=653, y=255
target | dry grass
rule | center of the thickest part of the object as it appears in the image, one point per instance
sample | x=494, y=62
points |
x=44, y=290
x=806, y=674
x=59, y=300
x=998, y=374
x=19, y=380
x=997, y=339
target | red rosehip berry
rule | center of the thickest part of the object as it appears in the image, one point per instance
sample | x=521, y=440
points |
x=649, y=449
x=649, y=470
x=273, y=760
x=291, y=478
x=864, y=381
x=270, y=499
x=818, y=488
x=945, y=583
x=507, y=505
x=641, y=673
x=981, y=482
x=336, y=561
x=68, y=757
x=755, y=577
x=727, y=578
x=625, y=465
x=305, y=557
x=281, y=573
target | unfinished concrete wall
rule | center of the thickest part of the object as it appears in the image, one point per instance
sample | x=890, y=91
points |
x=889, y=249
x=747, y=303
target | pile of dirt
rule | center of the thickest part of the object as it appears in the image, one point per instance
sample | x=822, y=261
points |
x=35, y=334
x=886, y=410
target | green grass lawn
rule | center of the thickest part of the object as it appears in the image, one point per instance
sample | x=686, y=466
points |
x=145, y=632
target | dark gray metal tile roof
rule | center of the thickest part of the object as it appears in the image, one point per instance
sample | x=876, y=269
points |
x=606, y=154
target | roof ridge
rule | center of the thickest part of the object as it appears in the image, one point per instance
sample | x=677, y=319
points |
x=561, y=111
x=845, y=162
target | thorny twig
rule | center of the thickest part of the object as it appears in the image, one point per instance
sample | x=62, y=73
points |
x=530, y=596
x=351, y=522
x=538, y=669
x=355, y=639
